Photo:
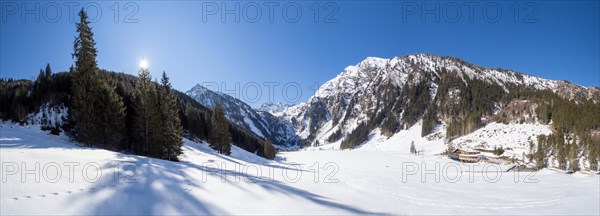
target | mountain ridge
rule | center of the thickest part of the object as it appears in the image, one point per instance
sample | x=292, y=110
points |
x=450, y=96
x=262, y=124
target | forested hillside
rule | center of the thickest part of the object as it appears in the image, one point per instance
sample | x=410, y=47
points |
x=18, y=98
x=117, y=111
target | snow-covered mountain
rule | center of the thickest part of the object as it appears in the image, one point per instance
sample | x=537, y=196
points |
x=276, y=109
x=261, y=123
x=451, y=97
x=376, y=88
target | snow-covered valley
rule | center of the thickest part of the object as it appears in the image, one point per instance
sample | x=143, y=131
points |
x=304, y=111
x=46, y=174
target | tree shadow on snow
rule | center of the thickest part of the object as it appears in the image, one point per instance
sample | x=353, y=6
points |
x=162, y=187
x=274, y=186
x=143, y=186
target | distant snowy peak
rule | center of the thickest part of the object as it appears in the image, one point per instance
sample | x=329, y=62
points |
x=210, y=98
x=204, y=96
x=235, y=110
x=275, y=109
x=263, y=125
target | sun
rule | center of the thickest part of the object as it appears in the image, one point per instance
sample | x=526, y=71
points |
x=144, y=64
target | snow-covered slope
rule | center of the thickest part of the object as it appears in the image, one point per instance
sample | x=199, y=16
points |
x=514, y=138
x=399, y=142
x=381, y=177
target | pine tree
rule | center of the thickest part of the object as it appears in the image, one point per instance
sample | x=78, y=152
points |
x=562, y=153
x=572, y=156
x=269, y=150
x=56, y=129
x=112, y=122
x=48, y=71
x=40, y=82
x=220, y=136
x=86, y=84
x=540, y=155
x=172, y=132
x=146, y=121
x=593, y=154
x=45, y=122
x=96, y=110
x=498, y=150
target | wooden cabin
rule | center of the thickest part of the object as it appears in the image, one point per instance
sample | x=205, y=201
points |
x=466, y=155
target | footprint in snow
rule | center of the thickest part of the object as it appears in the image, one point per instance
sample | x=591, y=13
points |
x=42, y=195
x=28, y=197
x=55, y=194
x=14, y=198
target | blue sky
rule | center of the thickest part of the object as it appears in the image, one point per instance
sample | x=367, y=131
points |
x=281, y=50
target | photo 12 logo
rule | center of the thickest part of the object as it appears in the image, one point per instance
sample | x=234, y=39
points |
x=53, y=12
x=268, y=173
x=290, y=92
x=453, y=172
x=271, y=12
x=471, y=11
x=73, y=172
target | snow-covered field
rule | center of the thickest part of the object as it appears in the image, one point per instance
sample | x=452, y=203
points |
x=380, y=177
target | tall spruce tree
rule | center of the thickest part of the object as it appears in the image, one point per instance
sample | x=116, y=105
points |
x=572, y=157
x=540, y=154
x=85, y=83
x=96, y=110
x=593, y=154
x=48, y=70
x=562, y=153
x=220, y=136
x=171, y=139
x=40, y=83
x=147, y=120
